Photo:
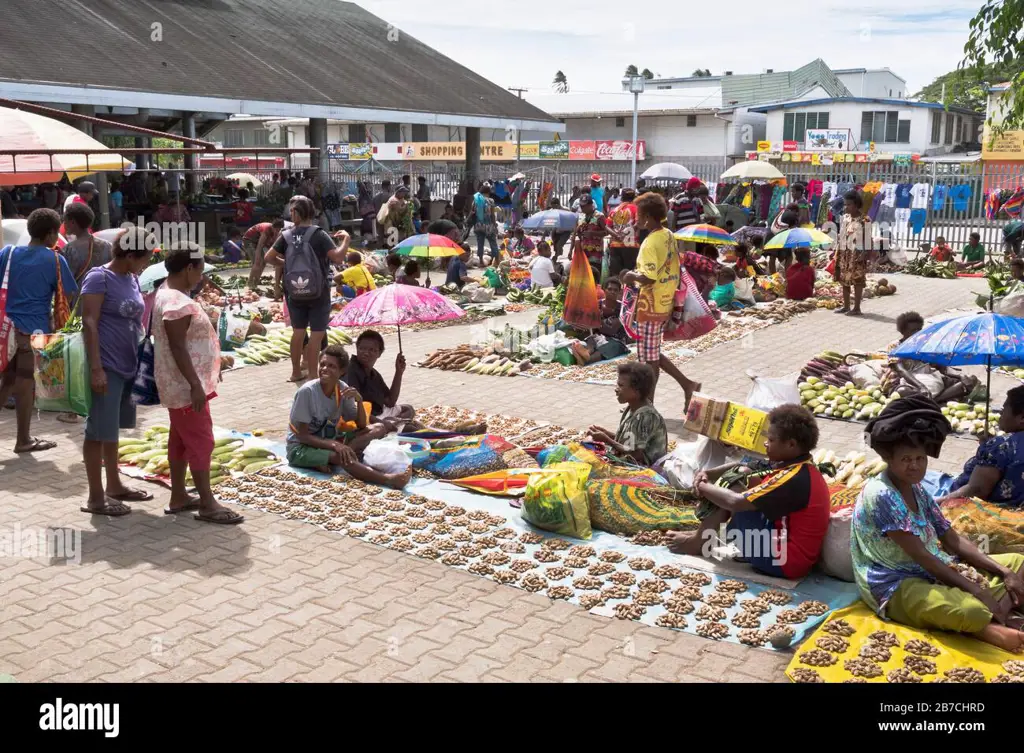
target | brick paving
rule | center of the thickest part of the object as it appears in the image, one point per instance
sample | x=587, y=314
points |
x=161, y=598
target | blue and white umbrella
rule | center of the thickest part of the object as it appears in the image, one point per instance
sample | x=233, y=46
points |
x=553, y=220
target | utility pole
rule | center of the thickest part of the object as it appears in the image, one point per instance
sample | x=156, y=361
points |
x=519, y=91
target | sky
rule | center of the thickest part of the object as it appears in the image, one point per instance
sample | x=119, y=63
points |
x=523, y=43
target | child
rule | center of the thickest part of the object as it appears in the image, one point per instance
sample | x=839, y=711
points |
x=784, y=510
x=186, y=363
x=233, y=245
x=542, y=269
x=243, y=209
x=800, y=277
x=942, y=252
x=521, y=245
x=908, y=560
x=973, y=255
x=410, y=275
x=356, y=277
x=317, y=436
x=745, y=266
x=724, y=293
x=394, y=262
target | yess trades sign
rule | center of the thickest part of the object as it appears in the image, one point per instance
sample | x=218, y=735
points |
x=554, y=149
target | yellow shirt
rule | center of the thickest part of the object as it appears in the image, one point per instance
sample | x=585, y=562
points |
x=658, y=260
x=359, y=278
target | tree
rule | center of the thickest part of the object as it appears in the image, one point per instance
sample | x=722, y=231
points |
x=561, y=83
x=997, y=38
x=967, y=87
x=701, y=73
x=162, y=160
x=631, y=70
x=646, y=73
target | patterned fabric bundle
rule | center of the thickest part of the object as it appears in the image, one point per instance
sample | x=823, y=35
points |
x=453, y=459
x=624, y=507
x=1003, y=527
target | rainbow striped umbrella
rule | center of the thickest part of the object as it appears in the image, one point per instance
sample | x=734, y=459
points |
x=428, y=245
x=799, y=238
x=705, y=234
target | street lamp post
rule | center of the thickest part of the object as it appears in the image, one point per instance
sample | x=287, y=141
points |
x=636, y=86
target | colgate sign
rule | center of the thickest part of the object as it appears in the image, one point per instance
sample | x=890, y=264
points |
x=620, y=150
x=581, y=150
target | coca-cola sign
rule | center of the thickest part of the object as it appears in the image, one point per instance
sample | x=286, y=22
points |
x=619, y=150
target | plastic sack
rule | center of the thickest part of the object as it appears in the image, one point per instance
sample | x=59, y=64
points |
x=835, y=557
x=1011, y=304
x=691, y=314
x=868, y=373
x=492, y=278
x=682, y=464
x=477, y=293
x=768, y=393
x=544, y=347
x=897, y=256
x=386, y=457
x=556, y=500
x=745, y=290
x=62, y=373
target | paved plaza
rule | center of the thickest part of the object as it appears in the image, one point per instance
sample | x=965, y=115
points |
x=164, y=598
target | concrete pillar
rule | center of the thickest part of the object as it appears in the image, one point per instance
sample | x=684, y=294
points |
x=102, y=187
x=141, y=160
x=472, y=156
x=318, y=140
x=188, y=129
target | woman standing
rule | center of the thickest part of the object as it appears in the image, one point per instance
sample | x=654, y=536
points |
x=112, y=308
x=657, y=275
x=853, y=254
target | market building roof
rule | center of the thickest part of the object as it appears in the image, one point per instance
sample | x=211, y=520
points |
x=288, y=58
x=589, y=104
x=858, y=100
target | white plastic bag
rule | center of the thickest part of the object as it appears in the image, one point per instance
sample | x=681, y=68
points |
x=897, y=256
x=836, y=559
x=682, y=464
x=1012, y=304
x=745, y=290
x=767, y=393
x=476, y=293
x=386, y=456
x=544, y=347
x=868, y=373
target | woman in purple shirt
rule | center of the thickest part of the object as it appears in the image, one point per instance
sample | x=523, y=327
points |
x=112, y=308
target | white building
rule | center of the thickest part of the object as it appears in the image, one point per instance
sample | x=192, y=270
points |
x=879, y=83
x=894, y=125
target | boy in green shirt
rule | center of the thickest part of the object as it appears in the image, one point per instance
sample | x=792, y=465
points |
x=973, y=255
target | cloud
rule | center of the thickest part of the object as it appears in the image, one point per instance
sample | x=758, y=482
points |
x=592, y=41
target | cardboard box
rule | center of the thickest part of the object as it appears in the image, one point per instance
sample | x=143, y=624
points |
x=744, y=427
x=706, y=416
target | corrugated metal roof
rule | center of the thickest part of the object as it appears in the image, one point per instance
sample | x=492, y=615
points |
x=751, y=89
x=311, y=52
x=693, y=100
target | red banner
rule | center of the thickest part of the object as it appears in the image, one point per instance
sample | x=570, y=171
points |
x=790, y=146
x=620, y=150
x=581, y=150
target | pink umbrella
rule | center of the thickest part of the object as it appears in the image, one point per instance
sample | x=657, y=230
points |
x=397, y=305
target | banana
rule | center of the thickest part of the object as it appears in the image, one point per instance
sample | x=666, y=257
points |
x=257, y=465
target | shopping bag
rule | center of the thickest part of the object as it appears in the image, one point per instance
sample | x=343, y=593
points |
x=556, y=500
x=232, y=329
x=627, y=313
x=831, y=266
x=691, y=315
x=62, y=373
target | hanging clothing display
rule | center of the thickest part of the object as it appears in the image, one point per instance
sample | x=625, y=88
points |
x=960, y=194
x=939, y=193
x=764, y=205
x=919, y=194
x=917, y=218
x=821, y=215
x=903, y=195
x=876, y=205
x=778, y=196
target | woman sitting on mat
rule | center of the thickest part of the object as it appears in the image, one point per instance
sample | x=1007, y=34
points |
x=315, y=439
x=642, y=436
x=781, y=521
x=996, y=472
x=909, y=563
x=920, y=378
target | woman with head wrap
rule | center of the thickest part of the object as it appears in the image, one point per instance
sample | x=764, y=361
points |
x=909, y=563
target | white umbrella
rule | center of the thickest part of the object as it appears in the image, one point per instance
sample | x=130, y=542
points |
x=244, y=178
x=754, y=170
x=666, y=171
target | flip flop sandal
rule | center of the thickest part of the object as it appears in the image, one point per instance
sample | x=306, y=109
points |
x=135, y=495
x=111, y=511
x=192, y=506
x=226, y=517
x=38, y=445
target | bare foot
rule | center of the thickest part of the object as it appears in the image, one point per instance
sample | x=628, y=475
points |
x=684, y=543
x=399, y=480
x=323, y=469
x=1006, y=638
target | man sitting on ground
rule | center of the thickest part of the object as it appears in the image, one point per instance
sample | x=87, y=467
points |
x=328, y=425
x=782, y=517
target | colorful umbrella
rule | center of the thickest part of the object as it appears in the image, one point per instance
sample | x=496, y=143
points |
x=986, y=339
x=428, y=245
x=555, y=220
x=397, y=305
x=799, y=238
x=26, y=130
x=706, y=234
